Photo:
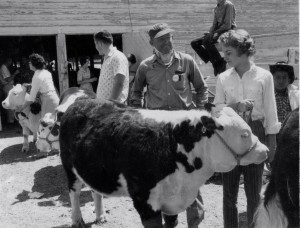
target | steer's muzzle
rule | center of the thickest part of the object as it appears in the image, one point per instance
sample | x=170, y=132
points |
x=258, y=155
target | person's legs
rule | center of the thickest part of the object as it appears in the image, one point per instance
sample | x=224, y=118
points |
x=253, y=183
x=230, y=193
x=199, y=49
x=195, y=212
x=215, y=58
x=253, y=175
x=171, y=221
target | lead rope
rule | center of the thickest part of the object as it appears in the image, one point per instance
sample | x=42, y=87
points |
x=237, y=157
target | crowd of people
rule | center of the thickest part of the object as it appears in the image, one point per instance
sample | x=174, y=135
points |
x=167, y=76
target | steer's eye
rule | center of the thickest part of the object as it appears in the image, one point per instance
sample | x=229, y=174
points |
x=15, y=94
x=245, y=135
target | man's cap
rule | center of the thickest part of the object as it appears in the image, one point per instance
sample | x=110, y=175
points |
x=159, y=30
x=283, y=66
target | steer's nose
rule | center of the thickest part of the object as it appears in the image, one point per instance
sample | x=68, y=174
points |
x=3, y=104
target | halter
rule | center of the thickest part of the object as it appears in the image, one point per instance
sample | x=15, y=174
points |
x=50, y=142
x=23, y=114
x=237, y=157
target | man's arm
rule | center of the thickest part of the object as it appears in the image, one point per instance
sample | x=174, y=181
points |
x=199, y=85
x=118, y=85
x=138, y=87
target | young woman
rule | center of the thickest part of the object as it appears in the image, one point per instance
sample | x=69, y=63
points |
x=84, y=75
x=42, y=84
x=243, y=87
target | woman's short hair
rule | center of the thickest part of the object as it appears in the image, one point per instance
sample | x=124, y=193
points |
x=239, y=39
x=37, y=61
x=131, y=58
x=83, y=60
x=104, y=36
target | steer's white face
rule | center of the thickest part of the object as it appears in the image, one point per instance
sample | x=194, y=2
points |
x=15, y=97
x=238, y=136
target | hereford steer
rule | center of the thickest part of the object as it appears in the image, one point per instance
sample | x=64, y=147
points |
x=158, y=158
x=48, y=133
x=280, y=206
x=28, y=117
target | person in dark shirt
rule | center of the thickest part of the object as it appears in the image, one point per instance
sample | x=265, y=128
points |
x=286, y=94
x=224, y=20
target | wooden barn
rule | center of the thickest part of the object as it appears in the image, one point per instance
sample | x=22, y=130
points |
x=62, y=30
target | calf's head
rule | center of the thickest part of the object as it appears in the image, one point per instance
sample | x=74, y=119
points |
x=48, y=134
x=230, y=142
x=15, y=97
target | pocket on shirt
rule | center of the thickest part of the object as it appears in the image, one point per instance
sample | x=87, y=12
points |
x=253, y=92
x=230, y=92
x=180, y=83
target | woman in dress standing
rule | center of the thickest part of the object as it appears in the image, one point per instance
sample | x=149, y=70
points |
x=84, y=75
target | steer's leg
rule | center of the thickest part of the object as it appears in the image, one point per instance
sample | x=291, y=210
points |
x=99, y=208
x=150, y=218
x=75, y=188
x=25, y=147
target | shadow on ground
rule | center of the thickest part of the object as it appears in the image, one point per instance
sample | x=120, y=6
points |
x=50, y=185
x=14, y=153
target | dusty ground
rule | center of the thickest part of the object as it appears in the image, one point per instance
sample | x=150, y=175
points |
x=33, y=193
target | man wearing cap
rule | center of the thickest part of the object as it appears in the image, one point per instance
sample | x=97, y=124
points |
x=114, y=76
x=286, y=94
x=168, y=75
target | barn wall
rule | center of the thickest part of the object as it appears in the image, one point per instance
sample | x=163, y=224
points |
x=190, y=18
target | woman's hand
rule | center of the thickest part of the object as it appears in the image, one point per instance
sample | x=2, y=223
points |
x=245, y=105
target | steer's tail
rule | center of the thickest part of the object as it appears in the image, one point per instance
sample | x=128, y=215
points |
x=270, y=215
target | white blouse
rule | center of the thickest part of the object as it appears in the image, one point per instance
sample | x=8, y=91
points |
x=256, y=84
x=41, y=82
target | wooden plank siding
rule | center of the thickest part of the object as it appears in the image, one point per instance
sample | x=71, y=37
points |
x=189, y=18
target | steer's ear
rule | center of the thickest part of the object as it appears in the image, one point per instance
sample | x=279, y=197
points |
x=59, y=115
x=208, y=106
x=210, y=124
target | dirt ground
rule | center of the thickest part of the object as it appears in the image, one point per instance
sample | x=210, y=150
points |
x=33, y=193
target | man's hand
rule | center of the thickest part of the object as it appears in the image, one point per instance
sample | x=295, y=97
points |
x=215, y=35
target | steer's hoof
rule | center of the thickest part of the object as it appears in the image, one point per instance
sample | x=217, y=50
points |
x=25, y=149
x=81, y=224
x=101, y=219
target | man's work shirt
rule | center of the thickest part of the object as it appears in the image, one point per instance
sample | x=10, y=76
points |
x=224, y=17
x=169, y=87
x=114, y=63
x=256, y=84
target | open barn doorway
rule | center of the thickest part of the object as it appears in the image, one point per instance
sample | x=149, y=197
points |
x=18, y=48
x=83, y=45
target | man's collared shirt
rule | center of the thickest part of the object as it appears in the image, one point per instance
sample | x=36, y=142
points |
x=169, y=87
x=115, y=62
x=224, y=17
x=256, y=84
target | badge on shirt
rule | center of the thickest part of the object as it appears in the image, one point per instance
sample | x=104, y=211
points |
x=175, y=78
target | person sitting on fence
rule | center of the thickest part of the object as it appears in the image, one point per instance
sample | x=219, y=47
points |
x=224, y=20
